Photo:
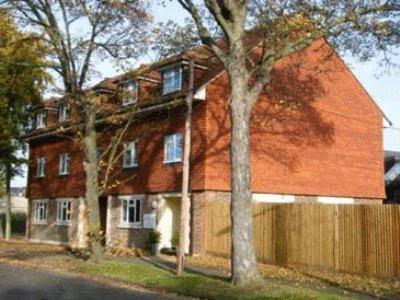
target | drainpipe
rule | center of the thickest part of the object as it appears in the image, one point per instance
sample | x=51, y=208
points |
x=185, y=202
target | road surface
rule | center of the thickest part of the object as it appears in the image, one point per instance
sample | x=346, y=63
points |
x=32, y=284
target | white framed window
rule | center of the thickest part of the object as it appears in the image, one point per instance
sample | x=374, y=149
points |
x=40, y=167
x=172, y=80
x=130, y=155
x=64, y=164
x=131, y=211
x=130, y=92
x=41, y=120
x=40, y=216
x=63, y=112
x=63, y=212
x=173, y=148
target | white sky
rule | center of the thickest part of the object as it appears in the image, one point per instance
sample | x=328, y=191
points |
x=384, y=88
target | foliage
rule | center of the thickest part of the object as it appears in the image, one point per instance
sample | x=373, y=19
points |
x=154, y=237
x=22, y=80
x=18, y=223
x=175, y=239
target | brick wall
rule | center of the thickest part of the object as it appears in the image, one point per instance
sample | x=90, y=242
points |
x=319, y=135
x=51, y=232
x=127, y=237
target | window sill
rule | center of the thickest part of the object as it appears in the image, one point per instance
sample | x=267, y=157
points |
x=172, y=162
x=132, y=168
x=40, y=223
x=63, y=224
x=130, y=226
x=40, y=177
x=129, y=103
x=63, y=175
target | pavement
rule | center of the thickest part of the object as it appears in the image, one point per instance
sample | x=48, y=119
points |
x=32, y=284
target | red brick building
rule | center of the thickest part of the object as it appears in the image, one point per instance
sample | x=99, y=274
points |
x=316, y=136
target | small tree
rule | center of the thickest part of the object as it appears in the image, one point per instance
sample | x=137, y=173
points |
x=76, y=34
x=21, y=82
x=277, y=29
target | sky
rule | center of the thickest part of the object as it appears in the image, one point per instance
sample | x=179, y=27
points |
x=383, y=87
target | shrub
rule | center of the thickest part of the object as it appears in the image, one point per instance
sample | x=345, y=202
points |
x=154, y=237
x=175, y=239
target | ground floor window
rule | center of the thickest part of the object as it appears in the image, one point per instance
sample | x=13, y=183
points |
x=40, y=211
x=63, y=212
x=131, y=211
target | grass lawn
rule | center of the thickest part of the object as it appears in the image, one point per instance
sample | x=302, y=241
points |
x=195, y=285
x=140, y=273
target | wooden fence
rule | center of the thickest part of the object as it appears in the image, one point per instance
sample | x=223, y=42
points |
x=363, y=239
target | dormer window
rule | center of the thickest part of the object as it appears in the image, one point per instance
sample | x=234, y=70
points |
x=41, y=120
x=130, y=92
x=63, y=112
x=172, y=80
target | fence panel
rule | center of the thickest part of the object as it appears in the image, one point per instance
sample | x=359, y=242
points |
x=363, y=239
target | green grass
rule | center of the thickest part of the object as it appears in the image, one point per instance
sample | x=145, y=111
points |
x=195, y=285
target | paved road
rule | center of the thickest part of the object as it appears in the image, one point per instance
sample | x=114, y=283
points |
x=23, y=283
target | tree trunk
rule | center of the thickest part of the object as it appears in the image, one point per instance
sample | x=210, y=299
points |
x=243, y=260
x=185, y=202
x=92, y=187
x=8, y=203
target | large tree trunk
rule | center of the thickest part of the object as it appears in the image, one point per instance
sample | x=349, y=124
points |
x=8, y=203
x=244, y=265
x=92, y=187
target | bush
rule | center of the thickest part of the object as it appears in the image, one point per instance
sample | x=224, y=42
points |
x=154, y=237
x=175, y=239
x=18, y=223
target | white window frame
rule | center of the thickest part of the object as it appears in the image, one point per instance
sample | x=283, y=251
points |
x=64, y=203
x=174, y=141
x=124, y=222
x=130, y=96
x=40, y=205
x=41, y=119
x=169, y=74
x=64, y=163
x=41, y=167
x=132, y=147
x=63, y=112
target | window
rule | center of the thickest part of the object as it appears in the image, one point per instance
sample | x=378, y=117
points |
x=63, y=212
x=64, y=164
x=41, y=120
x=40, y=211
x=41, y=165
x=131, y=211
x=172, y=80
x=173, y=148
x=130, y=92
x=63, y=112
x=130, y=155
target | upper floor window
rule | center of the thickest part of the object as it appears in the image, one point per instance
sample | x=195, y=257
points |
x=41, y=120
x=130, y=92
x=130, y=155
x=63, y=212
x=63, y=112
x=64, y=164
x=131, y=211
x=40, y=211
x=40, y=168
x=173, y=148
x=172, y=80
